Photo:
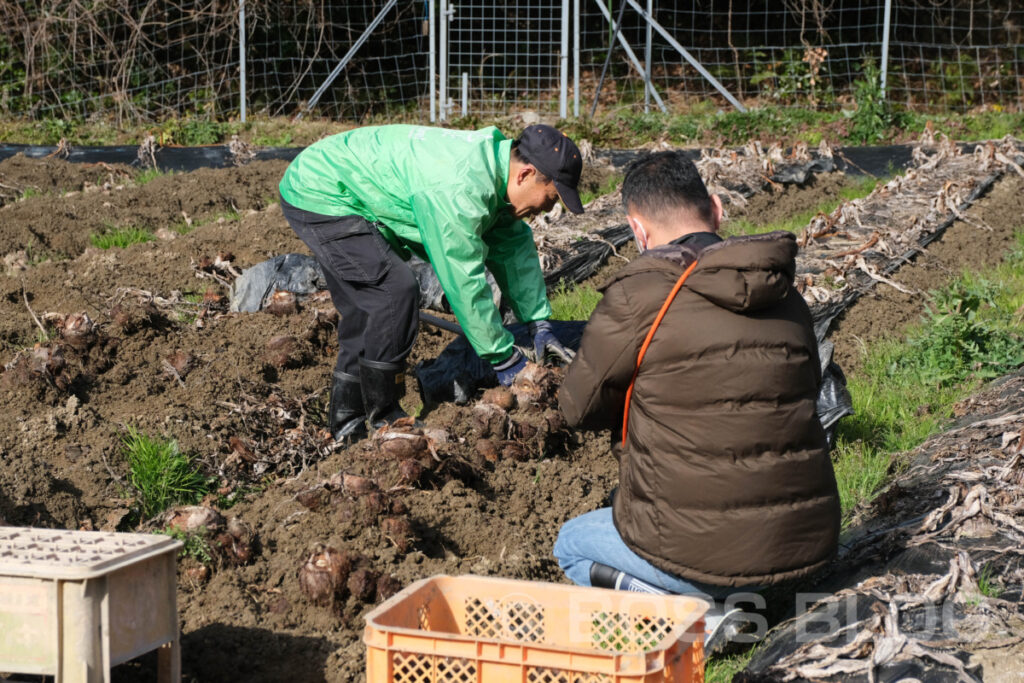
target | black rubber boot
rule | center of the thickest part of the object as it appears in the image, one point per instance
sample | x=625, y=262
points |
x=346, y=414
x=383, y=387
x=603, y=576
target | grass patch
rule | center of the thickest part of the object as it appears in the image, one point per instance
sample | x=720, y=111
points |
x=721, y=668
x=609, y=186
x=120, y=238
x=700, y=124
x=988, y=582
x=160, y=474
x=906, y=389
x=150, y=174
x=573, y=302
x=859, y=187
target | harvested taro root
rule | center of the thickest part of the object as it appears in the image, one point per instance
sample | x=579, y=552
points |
x=499, y=396
x=236, y=543
x=180, y=362
x=387, y=586
x=414, y=448
x=130, y=317
x=534, y=387
x=362, y=584
x=487, y=449
x=490, y=420
x=519, y=422
x=282, y=302
x=356, y=485
x=232, y=541
x=398, y=530
x=283, y=351
x=324, y=574
x=78, y=330
x=193, y=518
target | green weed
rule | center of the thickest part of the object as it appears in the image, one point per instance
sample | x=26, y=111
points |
x=874, y=116
x=150, y=174
x=195, y=545
x=959, y=342
x=160, y=474
x=120, y=238
x=988, y=583
x=609, y=186
x=30, y=192
x=574, y=302
x=722, y=668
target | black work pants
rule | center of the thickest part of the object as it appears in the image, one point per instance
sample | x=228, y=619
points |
x=374, y=290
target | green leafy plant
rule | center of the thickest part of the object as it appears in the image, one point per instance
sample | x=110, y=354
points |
x=120, y=238
x=195, y=545
x=160, y=474
x=988, y=582
x=873, y=116
x=958, y=343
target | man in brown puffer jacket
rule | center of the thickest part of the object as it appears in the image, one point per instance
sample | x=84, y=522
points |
x=725, y=479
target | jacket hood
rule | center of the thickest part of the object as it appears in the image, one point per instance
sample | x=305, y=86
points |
x=740, y=274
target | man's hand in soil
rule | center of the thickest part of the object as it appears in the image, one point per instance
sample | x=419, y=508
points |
x=510, y=367
x=545, y=341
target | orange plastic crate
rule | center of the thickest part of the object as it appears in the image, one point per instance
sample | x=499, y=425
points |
x=473, y=629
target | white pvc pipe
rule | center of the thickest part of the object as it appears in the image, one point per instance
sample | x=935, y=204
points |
x=465, y=94
x=576, y=58
x=563, y=64
x=647, y=60
x=241, y=56
x=432, y=32
x=442, y=90
x=885, y=45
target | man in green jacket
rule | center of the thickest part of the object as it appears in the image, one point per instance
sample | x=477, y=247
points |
x=363, y=201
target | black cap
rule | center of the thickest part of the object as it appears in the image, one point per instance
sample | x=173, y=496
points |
x=557, y=157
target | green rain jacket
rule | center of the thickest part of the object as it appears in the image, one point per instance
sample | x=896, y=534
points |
x=440, y=194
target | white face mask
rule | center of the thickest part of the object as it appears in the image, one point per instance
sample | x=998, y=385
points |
x=641, y=246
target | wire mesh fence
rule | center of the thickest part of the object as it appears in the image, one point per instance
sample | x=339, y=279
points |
x=506, y=54
x=149, y=60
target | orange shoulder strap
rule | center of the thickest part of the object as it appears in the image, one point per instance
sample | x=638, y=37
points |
x=647, y=342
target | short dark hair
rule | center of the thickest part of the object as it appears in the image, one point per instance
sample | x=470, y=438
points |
x=665, y=182
x=521, y=158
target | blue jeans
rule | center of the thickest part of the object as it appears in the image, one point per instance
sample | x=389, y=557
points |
x=592, y=537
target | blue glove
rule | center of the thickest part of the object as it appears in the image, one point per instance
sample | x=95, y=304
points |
x=510, y=367
x=545, y=341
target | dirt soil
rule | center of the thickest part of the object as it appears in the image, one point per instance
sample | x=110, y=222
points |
x=245, y=394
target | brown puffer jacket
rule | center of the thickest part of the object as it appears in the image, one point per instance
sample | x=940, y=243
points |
x=725, y=477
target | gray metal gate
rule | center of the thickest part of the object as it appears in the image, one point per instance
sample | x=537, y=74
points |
x=496, y=57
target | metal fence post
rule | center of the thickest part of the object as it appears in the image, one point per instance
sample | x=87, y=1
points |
x=432, y=60
x=686, y=55
x=465, y=94
x=647, y=59
x=576, y=58
x=348, y=56
x=563, y=64
x=442, y=90
x=241, y=57
x=885, y=45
